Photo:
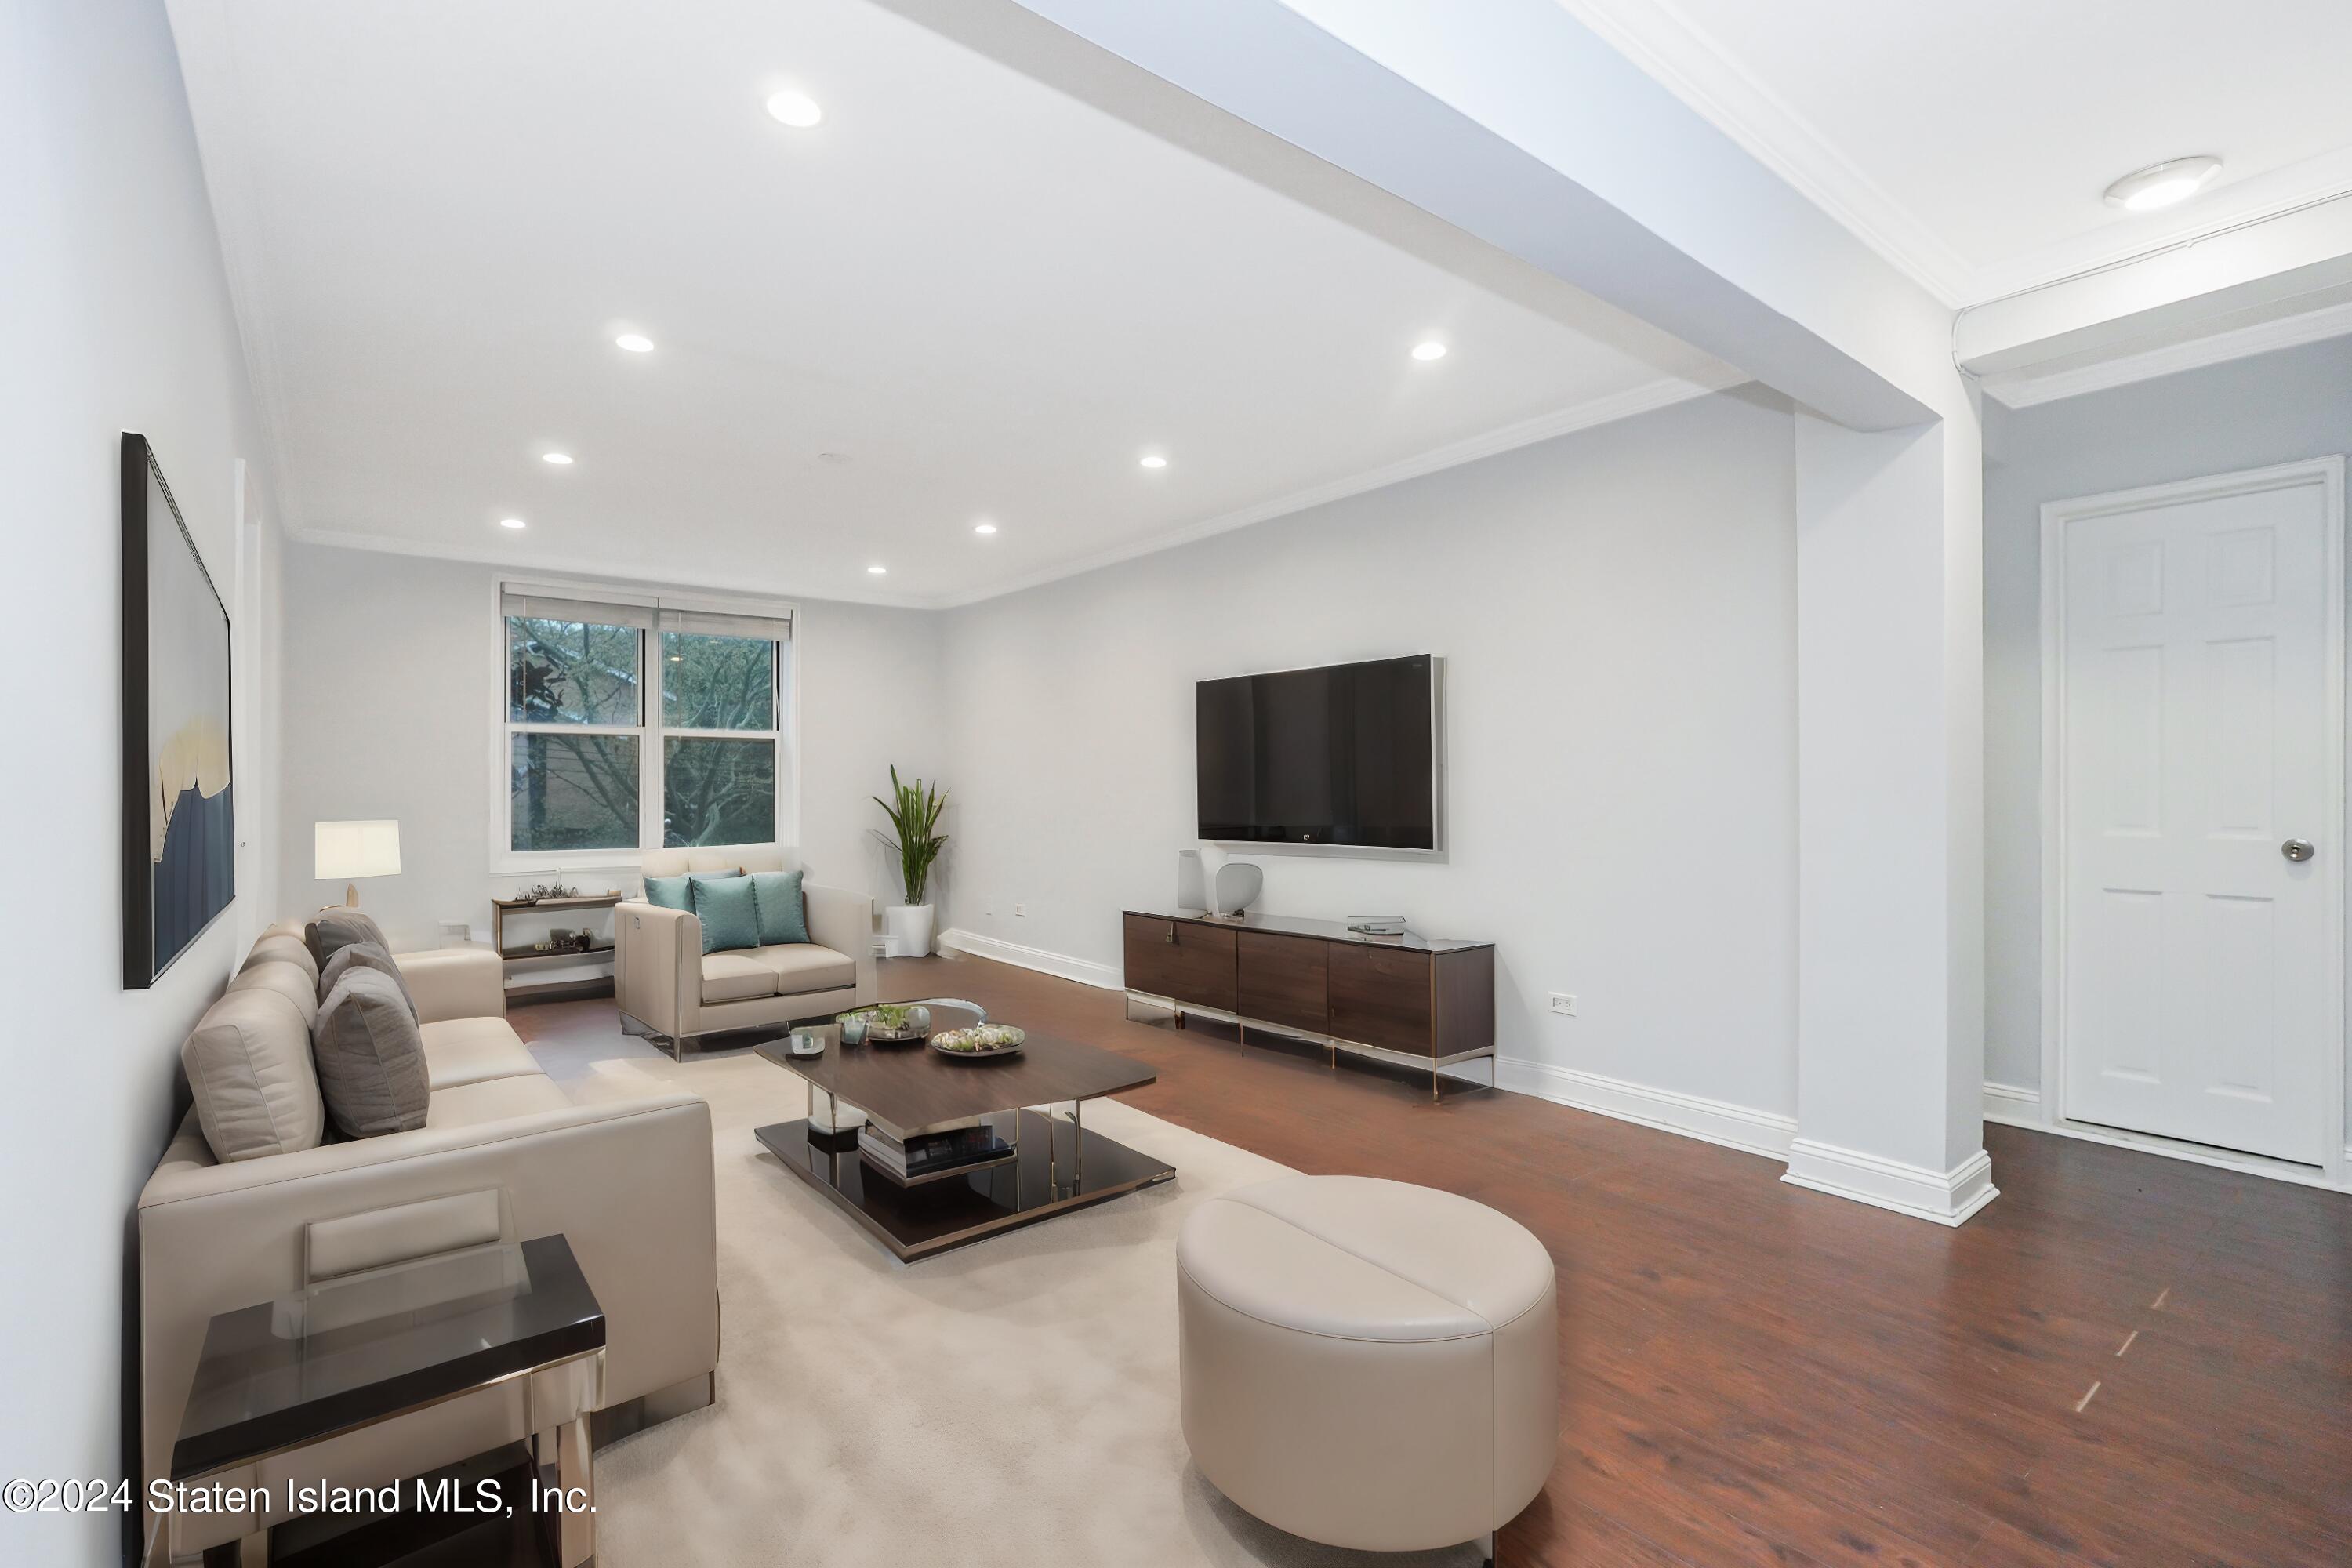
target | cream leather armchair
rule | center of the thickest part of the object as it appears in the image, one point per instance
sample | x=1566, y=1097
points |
x=666, y=987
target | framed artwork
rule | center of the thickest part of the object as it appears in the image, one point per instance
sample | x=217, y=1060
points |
x=179, y=819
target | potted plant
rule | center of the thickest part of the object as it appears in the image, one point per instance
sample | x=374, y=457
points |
x=914, y=814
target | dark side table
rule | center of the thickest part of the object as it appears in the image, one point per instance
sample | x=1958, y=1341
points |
x=281, y=1376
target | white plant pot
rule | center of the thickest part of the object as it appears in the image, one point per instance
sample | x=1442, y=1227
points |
x=909, y=929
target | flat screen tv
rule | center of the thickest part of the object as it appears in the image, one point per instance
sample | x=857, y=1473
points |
x=1341, y=757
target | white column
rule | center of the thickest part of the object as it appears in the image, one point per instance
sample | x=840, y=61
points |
x=1890, y=967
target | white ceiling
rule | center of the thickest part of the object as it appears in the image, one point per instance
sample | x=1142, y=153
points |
x=989, y=298
x=1972, y=141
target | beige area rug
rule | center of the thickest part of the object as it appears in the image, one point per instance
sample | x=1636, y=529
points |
x=1012, y=1401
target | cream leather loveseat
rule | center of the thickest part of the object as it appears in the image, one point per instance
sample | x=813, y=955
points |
x=627, y=1183
x=668, y=987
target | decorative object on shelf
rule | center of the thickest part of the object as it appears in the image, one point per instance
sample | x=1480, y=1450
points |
x=1376, y=925
x=807, y=1042
x=979, y=1040
x=913, y=813
x=347, y=851
x=1236, y=886
x=544, y=892
x=1191, y=884
x=179, y=828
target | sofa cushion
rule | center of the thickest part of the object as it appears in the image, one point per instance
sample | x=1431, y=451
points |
x=494, y=1099
x=285, y=950
x=370, y=955
x=249, y=1065
x=337, y=926
x=283, y=977
x=670, y=892
x=736, y=977
x=679, y=860
x=783, y=917
x=729, y=912
x=473, y=1050
x=371, y=1055
x=804, y=966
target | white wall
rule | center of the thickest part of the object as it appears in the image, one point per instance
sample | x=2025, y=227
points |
x=117, y=317
x=1617, y=611
x=393, y=663
x=2247, y=414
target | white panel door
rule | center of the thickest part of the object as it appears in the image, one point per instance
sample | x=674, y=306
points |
x=2200, y=959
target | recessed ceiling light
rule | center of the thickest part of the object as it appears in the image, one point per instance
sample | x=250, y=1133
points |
x=560, y=459
x=1154, y=461
x=1428, y=349
x=635, y=342
x=876, y=571
x=983, y=527
x=797, y=110
x=2163, y=184
x=510, y=522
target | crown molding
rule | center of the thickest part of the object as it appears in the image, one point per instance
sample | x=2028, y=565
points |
x=1683, y=59
x=575, y=565
x=1663, y=393
x=2238, y=203
x=2024, y=389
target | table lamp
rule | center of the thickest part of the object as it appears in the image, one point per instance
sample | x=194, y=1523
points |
x=354, y=850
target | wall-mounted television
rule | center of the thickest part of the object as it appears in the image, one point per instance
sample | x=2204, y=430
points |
x=1341, y=757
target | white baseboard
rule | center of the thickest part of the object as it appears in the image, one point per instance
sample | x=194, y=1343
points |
x=2013, y=1105
x=1737, y=1127
x=1947, y=1198
x=1084, y=970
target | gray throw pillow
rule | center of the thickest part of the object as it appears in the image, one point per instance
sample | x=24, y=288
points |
x=371, y=1055
x=338, y=926
x=370, y=955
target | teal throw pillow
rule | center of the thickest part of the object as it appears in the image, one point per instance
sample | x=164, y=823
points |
x=673, y=893
x=729, y=914
x=781, y=917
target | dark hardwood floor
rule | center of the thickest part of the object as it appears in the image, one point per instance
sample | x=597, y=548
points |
x=2125, y=1361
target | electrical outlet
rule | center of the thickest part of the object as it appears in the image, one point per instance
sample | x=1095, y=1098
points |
x=1020, y=910
x=1563, y=1002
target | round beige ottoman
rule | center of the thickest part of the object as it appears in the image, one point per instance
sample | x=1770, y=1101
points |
x=1368, y=1363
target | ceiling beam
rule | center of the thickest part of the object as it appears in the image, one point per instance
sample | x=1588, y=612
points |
x=1507, y=140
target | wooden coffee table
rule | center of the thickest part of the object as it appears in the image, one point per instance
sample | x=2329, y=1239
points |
x=906, y=1088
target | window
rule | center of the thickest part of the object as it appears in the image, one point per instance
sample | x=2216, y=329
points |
x=630, y=725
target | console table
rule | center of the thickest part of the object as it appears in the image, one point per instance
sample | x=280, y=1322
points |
x=1409, y=999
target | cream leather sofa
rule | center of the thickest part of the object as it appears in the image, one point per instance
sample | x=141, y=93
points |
x=627, y=1183
x=667, y=986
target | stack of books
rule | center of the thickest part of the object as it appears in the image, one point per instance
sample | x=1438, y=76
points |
x=924, y=1155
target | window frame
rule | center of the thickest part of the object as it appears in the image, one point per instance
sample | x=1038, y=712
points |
x=650, y=732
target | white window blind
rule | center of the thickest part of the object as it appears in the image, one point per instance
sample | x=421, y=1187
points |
x=552, y=607
x=711, y=624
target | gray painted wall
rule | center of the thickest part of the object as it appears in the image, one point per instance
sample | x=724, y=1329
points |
x=2248, y=414
x=118, y=319
x=394, y=666
x=1618, y=613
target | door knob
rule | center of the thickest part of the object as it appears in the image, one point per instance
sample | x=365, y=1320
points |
x=2297, y=849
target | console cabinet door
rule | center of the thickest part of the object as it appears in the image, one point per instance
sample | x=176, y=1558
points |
x=1285, y=979
x=1380, y=996
x=1179, y=959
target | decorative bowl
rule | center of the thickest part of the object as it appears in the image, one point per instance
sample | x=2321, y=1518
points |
x=979, y=1040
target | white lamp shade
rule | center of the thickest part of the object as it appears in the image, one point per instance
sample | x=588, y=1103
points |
x=345, y=851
